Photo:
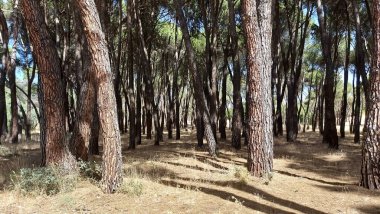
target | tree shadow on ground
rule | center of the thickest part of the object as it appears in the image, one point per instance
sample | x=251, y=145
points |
x=351, y=189
x=245, y=201
x=226, y=196
x=369, y=209
x=252, y=190
x=193, y=167
x=316, y=158
x=313, y=179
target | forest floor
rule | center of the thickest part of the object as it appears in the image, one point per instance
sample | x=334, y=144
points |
x=177, y=177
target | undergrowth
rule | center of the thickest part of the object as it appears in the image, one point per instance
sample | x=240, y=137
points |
x=42, y=181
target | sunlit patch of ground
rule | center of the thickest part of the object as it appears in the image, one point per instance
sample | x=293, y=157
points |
x=178, y=177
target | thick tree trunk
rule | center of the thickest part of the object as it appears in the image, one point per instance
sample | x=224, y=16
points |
x=57, y=152
x=81, y=135
x=100, y=70
x=370, y=170
x=257, y=28
x=200, y=98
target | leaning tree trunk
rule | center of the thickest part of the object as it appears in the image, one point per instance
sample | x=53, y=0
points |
x=370, y=170
x=200, y=97
x=100, y=71
x=257, y=28
x=46, y=55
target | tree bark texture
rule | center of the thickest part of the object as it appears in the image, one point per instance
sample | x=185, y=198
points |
x=100, y=71
x=46, y=55
x=370, y=170
x=258, y=29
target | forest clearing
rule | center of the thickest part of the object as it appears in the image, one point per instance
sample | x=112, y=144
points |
x=178, y=177
x=190, y=106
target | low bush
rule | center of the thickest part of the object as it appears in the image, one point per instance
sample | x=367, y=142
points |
x=42, y=181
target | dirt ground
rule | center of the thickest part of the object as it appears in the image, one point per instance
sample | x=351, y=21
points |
x=177, y=177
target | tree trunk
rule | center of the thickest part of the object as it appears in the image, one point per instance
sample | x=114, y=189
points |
x=370, y=170
x=93, y=148
x=343, y=116
x=117, y=79
x=11, y=70
x=330, y=135
x=306, y=117
x=257, y=29
x=360, y=71
x=138, y=111
x=236, y=79
x=81, y=135
x=200, y=98
x=222, y=109
x=29, y=104
x=53, y=115
x=5, y=39
x=100, y=71
x=131, y=93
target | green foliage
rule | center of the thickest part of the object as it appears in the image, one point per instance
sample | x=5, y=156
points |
x=42, y=181
x=91, y=170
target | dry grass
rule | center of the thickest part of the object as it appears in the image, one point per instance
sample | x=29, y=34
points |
x=177, y=177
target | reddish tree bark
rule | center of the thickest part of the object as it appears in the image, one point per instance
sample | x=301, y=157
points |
x=257, y=29
x=100, y=71
x=53, y=115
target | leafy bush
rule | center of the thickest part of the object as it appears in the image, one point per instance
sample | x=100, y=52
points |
x=42, y=181
x=90, y=170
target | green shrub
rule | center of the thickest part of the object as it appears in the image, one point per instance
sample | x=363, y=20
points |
x=90, y=170
x=42, y=181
